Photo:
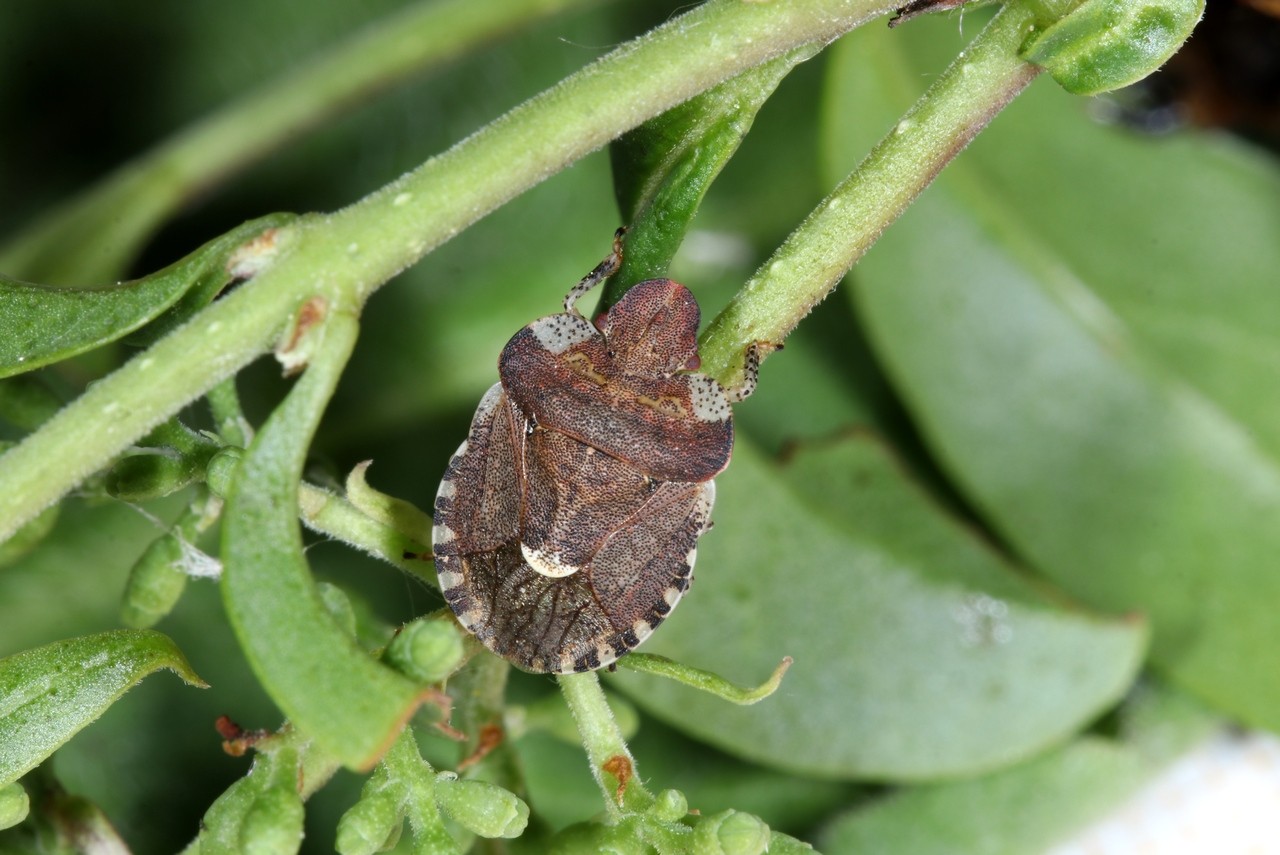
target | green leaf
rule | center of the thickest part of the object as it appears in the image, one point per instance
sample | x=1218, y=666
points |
x=48, y=694
x=918, y=653
x=1105, y=44
x=323, y=681
x=663, y=168
x=1031, y=807
x=1082, y=321
x=45, y=324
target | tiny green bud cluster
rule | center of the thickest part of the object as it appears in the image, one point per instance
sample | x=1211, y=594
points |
x=483, y=808
x=273, y=824
x=427, y=649
x=372, y=825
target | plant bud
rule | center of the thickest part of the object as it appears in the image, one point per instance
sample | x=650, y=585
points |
x=486, y=809
x=371, y=825
x=730, y=832
x=670, y=806
x=141, y=477
x=427, y=650
x=155, y=583
x=221, y=469
x=273, y=825
x=14, y=805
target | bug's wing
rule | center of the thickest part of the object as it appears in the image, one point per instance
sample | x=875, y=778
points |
x=636, y=571
x=646, y=565
x=477, y=506
x=575, y=497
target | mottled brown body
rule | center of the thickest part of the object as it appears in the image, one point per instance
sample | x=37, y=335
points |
x=566, y=525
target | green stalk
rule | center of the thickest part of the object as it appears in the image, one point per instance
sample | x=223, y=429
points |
x=361, y=247
x=800, y=274
x=612, y=765
x=123, y=209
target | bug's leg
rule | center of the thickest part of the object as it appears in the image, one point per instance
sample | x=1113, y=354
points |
x=602, y=271
x=750, y=370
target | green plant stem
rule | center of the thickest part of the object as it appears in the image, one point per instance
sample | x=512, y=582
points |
x=332, y=515
x=981, y=81
x=606, y=748
x=363, y=246
x=122, y=210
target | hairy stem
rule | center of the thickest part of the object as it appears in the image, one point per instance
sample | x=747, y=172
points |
x=612, y=765
x=982, y=80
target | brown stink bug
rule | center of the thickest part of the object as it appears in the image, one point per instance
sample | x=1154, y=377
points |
x=566, y=524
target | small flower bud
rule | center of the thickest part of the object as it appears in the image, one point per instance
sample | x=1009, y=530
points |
x=371, y=825
x=155, y=583
x=141, y=477
x=670, y=806
x=427, y=650
x=731, y=832
x=273, y=825
x=221, y=468
x=486, y=809
x=14, y=805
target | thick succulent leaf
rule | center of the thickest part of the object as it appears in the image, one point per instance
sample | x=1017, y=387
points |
x=1034, y=805
x=45, y=324
x=1084, y=323
x=326, y=684
x=662, y=169
x=918, y=653
x=48, y=694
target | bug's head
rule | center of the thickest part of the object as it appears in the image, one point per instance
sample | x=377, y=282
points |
x=653, y=329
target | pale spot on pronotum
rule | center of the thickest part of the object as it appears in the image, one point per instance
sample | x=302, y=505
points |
x=547, y=564
x=708, y=399
x=558, y=333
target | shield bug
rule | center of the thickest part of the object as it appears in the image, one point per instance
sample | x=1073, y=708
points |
x=566, y=525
